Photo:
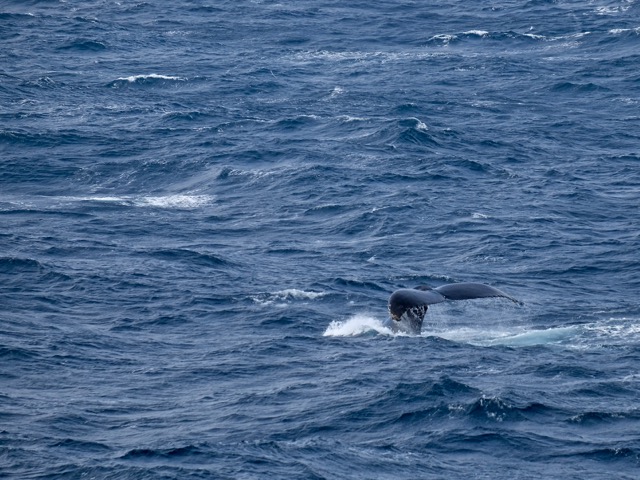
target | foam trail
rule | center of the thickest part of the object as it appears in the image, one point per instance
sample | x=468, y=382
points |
x=509, y=338
x=537, y=337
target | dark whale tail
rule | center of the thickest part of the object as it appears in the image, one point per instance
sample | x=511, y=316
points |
x=408, y=306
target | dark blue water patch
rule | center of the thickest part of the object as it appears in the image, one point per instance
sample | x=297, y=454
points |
x=595, y=418
x=495, y=409
x=12, y=354
x=580, y=88
x=617, y=454
x=45, y=139
x=80, y=447
x=604, y=390
x=150, y=322
x=189, y=452
x=20, y=265
x=84, y=45
x=191, y=257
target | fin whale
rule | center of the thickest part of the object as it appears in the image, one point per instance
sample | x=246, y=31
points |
x=408, y=306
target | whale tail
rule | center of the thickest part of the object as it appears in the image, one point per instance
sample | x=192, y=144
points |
x=408, y=306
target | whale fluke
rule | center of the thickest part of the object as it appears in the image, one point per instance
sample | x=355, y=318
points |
x=408, y=306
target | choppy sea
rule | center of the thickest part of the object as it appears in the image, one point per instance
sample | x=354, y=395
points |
x=204, y=206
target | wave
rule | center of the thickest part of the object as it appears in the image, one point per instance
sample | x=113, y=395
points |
x=497, y=409
x=15, y=265
x=445, y=39
x=53, y=203
x=591, y=418
x=191, y=257
x=619, y=31
x=148, y=453
x=84, y=45
x=410, y=130
x=358, y=56
x=283, y=297
x=152, y=79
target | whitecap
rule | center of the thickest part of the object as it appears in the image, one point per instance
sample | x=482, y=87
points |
x=336, y=91
x=618, y=31
x=421, y=126
x=348, y=119
x=282, y=298
x=445, y=38
x=479, y=33
x=153, y=76
x=174, y=201
x=182, y=201
x=299, y=294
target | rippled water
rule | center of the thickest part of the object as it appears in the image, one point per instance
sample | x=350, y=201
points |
x=204, y=207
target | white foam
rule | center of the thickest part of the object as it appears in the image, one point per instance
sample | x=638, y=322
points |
x=348, y=118
x=100, y=199
x=444, y=37
x=356, y=325
x=536, y=337
x=336, y=91
x=612, y=10
x=479, y=33
x=174, y=201
x=282, y=297
x=615, y=329
x=162, y=201
x=358, y=56
x=618, y=31
x=299, y=294
x=421, y=126
x=154, y=76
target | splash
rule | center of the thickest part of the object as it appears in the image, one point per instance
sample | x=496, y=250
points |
x=357, y=325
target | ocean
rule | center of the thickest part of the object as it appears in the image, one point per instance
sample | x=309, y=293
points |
x=205, y=205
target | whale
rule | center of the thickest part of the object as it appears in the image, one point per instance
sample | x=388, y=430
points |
x=408, y=306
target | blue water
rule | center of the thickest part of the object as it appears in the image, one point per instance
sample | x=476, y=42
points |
x=204, y=207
